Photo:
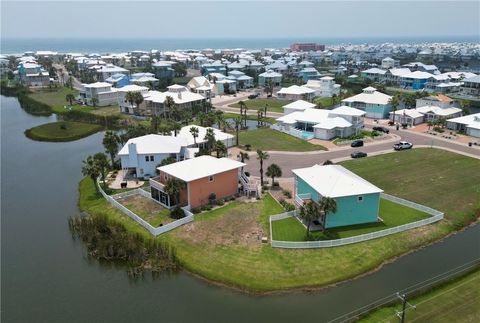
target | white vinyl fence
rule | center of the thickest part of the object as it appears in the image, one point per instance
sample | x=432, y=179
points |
x=436, y=216
x=153, y=230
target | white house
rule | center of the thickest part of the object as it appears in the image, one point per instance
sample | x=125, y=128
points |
x=296, y=92
x=324, y=87
x=105, y=71
x=243, y=81
x=470, y=124
x=296, y=106
x=269, y=76
x=388, y=62
x=321, y=124
x=201, y=85
x=376, y=104
x=186, y=135
x=407, y=116
x=142, y=155
x=182, y=97
x=439, y=100
x=125, y=106
x=101, y=91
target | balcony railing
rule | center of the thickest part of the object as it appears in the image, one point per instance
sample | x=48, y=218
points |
x=300, y=198
x=155, y=183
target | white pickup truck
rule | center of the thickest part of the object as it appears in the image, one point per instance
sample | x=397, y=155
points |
x=403, y=145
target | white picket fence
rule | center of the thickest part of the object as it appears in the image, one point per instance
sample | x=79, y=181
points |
x=436, y=216
x=189, y=217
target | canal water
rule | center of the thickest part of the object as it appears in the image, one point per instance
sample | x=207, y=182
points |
x=46, y=276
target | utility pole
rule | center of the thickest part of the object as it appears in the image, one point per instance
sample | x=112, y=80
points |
x=401, y=314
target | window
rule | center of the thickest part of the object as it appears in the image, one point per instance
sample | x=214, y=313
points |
x=210, y=178
x=146, y=158
x=151, y=158
x=360, y=198
x=166, y=177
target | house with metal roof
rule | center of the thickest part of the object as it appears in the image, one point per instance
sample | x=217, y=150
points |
x=469, y=124
x=357, y=200
x=376, y=104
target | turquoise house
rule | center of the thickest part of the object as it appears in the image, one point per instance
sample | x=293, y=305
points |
x=375, y=104
x=358, y=201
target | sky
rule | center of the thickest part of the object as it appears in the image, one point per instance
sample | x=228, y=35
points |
x=230, y=19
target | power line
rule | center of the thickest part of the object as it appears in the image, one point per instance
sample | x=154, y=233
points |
x=420, y=285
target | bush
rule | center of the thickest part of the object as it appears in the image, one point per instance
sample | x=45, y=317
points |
x=287, y=194
x=247, y=174
x=404, y=125
x=438, y=129
x=375, y=133
x=177, y=213
x=196, y=210
x=391, y=123
x=220, y=202
x=63, y=126
x=247, y=147
x=276, y=184
x=211, y=198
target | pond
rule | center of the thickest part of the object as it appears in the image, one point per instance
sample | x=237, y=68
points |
x=46, y=276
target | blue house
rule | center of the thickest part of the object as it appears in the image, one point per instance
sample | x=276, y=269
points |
x=358, y=201
x=215, y=67
x=118, y=80
x=309, y=73
x=163, y=70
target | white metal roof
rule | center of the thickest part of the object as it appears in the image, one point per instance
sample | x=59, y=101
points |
x=299, y=105
x=133, y=88
x=348, y=111
x=373, y=97
x=471, y=120
x=155, y=144
x=295, y=89
x=200, y=167
x=97, y=85
x=335, y=181
x=412, y=113
x=202, y=131
x=331, y=123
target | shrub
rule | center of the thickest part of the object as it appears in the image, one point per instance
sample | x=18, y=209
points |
x=196, y=210
x=63, y=126
x=438, y=129
x=247, y=147
x=404, y=125
x=177, y=213
x=276, y=184
x=220, y=202
x=247, y=174
x=287, y=194
x=391, y=123
x=211, y=198
x=375, y=133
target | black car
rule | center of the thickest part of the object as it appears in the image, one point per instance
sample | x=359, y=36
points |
x=253, y=96
x=358, y=154
x=381, y=129
x=356, y=143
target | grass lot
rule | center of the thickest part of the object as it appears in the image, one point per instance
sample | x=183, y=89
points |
x=147, y=209
x=274, y=105
x=438, y=180
x=454, y=301
x=62, y=131
x=324, y=102
x=228, y=115
x=269, y=139
x=181, y=80
x=55, y=98
x=393, y=215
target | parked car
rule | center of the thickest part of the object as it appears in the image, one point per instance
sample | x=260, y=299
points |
x=403, y=145
x=358, y=154
x=356, y=143
x=381, y=129
x=253, y=96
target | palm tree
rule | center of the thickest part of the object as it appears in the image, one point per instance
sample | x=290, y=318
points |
x=168, y=103
x=138, y=99
x=90, y=168
x=155, y=123
x=101, y=161
x=70, y=97
x=261, y=156
x=243, y=156
x=327, y=162
x=242, y=106
x=176, y=127
x=210, y=138
x=130, y=98
x=194, y=131
x=173, y=187
x=94, y=102
x=219, y=118
x=394, y=102
x=309, y=212
x=327, y=205
x=220, y=148
x=238, y=124
x=273, y=171
x=110, y=143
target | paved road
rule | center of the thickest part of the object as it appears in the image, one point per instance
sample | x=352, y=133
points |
x=288, y=161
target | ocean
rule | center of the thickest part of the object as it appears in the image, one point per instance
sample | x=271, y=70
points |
x=116, y=45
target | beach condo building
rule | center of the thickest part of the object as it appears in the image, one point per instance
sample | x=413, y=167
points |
x=357, y=200
x=324, y=87
x=296, y=92
x=130, y=107
x=206, y=178
x=163, y=70
x=118, y=80
x=389, y=62
x=154, y=101
x=376, y=104
x=308, y=73
x=32, y=74
x=214, y=67
x=307, y=47
x=373, y=74
x=416, y=80
x=101, y=92
x=471, y=86
x=270, y=76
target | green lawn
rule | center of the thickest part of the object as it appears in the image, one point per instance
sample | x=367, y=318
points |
x=269, y=139
x=148, y=210
x=62, y=131
x=324, y=102
x=274, y=105
x=454, y=301
x=393, y=215
x=181, y=80
x=438, y=180
x=55, y=98
x=228, y=115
